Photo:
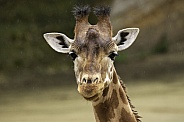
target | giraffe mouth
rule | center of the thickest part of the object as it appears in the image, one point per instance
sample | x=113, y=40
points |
x=90, y=92
x=95, y=97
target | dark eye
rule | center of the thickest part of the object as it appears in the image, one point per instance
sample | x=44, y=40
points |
x=73, y=55
x=113, y=55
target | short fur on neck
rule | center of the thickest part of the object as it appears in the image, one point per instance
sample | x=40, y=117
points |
x=109, y=103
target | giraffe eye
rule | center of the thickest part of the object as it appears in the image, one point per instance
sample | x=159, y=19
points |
x=73, y=55
x=113, y=55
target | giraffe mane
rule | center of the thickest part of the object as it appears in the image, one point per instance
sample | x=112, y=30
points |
x=137, y=116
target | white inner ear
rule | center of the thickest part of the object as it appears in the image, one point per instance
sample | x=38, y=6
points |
x=130, y=38
x=56, y=44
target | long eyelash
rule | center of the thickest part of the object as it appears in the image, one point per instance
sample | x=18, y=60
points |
x=73, y=55
x=113, y=55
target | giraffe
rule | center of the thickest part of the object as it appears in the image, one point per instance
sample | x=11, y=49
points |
x=93, y=51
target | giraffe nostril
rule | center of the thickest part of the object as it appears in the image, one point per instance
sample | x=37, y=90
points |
x=84, y=80
x=95, y=80
x=89, y=80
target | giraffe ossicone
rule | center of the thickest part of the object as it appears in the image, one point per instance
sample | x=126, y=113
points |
x=93, y=51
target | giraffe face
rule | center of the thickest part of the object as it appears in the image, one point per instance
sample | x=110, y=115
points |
x=92, y=50
x=93, y=58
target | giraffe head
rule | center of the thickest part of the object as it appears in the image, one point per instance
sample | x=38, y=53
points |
x=93, y=49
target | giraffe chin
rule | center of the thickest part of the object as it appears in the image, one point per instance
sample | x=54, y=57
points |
x=93, y=98
x=91, y=92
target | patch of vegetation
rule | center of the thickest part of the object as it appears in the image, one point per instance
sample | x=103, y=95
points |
x=162, y=46
x=122, y=57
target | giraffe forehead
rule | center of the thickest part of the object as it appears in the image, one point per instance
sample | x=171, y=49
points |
x=92, y=38
x=94, y=45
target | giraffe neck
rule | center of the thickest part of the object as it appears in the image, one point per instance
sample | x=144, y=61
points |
x=114, y=105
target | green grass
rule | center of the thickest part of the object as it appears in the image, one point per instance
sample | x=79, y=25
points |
x=162, y=46
x=156, y=101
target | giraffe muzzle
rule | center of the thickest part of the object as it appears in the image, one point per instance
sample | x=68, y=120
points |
x=90, y=87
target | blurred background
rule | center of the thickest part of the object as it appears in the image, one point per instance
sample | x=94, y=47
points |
x=38, y=84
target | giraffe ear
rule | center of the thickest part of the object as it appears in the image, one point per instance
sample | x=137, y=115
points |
x=58, y=41
x=125, y=38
